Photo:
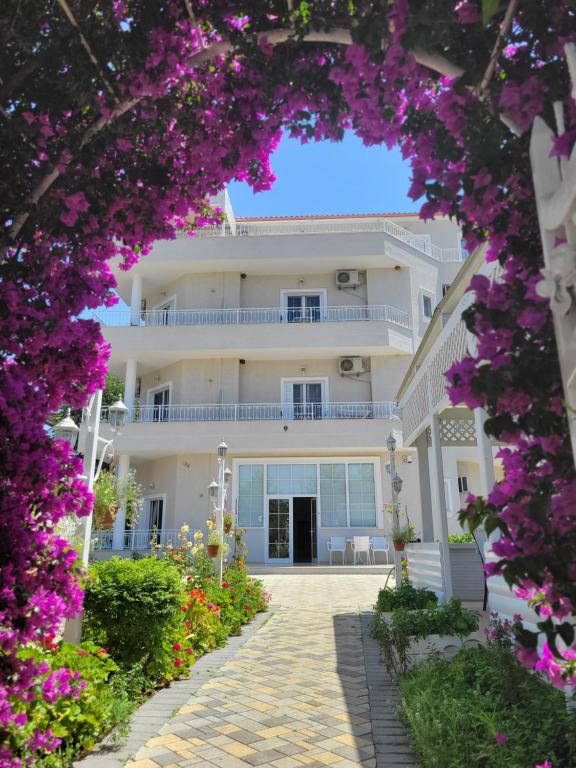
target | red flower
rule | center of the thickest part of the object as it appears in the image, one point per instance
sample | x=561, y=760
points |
x=176, y=646
x=225, y=585
x=189, y=651
x=177, y=662
x=246, y=607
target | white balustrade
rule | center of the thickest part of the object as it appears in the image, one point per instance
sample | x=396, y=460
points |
x=257, y=315
x=333, y=226
x=261, y=412
x=135, y=538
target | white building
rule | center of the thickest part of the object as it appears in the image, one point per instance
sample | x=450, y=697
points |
x=287, y=338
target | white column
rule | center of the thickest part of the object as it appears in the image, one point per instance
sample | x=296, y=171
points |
x=130, y=387
x=120, y=522
x=425, y=482
x=136, y=300
x=485, y=456
x=439, y=503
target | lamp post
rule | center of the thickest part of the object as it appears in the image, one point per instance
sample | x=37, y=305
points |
x=396, y=483
x=217, y=491
x=68, y=430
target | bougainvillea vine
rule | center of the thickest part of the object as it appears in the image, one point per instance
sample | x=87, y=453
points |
x=115, y=130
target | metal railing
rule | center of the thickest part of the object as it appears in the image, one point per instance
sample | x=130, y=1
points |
x=134, y=539
x=260, y=412
x=257, y=315
x=334, y=226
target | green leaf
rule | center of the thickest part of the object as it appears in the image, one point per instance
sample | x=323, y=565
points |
x=489, y=9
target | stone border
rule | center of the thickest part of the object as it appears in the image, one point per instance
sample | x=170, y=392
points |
x=392, y=748
x=148, y=719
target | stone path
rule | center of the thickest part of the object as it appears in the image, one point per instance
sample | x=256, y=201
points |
x=305, y=689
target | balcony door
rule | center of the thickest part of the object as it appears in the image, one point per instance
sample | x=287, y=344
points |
x=279, y=531
x=304, y=399
x=158, y=403
x=303, y=306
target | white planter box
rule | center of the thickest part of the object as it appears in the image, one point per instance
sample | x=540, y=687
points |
x=446, y=645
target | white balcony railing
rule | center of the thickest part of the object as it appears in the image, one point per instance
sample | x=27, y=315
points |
x=258, y=315
x=261, y=412
x=334, y=226
x=134, y=539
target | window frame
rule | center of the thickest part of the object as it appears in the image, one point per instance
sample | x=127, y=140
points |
x=285, y=292
x=424, y=294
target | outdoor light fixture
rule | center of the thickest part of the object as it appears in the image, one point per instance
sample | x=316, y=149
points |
x=213, y=490
x=227, y=475
x=391, y=443
x=117, y=414
x=397, y=483
x=66, y=429
x=222, y=450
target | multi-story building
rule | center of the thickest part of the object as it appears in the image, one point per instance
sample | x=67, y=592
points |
x=288, y=339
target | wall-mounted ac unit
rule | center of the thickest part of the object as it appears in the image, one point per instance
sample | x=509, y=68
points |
x=347, y=278
x=351, y=365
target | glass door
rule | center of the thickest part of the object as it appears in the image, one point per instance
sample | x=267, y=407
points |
x=279, y=539
x=307, y=400
x=304, y=308
x=161, y=401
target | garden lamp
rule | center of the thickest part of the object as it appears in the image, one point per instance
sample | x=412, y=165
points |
x=397, y=483
x=66, y=429
x=222, y=450
x=213, y=490
x=117, y=414
x=227, y=475
x=391, y=443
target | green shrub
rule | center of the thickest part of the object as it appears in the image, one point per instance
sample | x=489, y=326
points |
x=406, y=596
x=455, y=711
x=397, y=633
x=88, y=709
x=134, y=608
x=461, y=538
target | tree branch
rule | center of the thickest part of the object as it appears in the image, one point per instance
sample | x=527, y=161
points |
x=498, y=45
x=339, y=36
x=87, y=47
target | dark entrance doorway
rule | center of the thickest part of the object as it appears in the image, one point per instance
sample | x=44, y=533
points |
x=304, y=529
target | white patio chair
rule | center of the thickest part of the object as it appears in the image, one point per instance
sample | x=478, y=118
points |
x=361, y=544
x=337, y=544
x=379, y=544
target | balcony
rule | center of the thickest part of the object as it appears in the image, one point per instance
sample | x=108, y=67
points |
x=330, y=226
x=260, y=412
x=258, y=315
x=159, y=337
x=102, y=540
x=256, y=428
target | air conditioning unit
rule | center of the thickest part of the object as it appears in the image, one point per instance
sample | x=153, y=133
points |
x=351, y=365
x=348, y=278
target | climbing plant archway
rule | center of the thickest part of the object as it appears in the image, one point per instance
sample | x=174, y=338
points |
x=119, y=119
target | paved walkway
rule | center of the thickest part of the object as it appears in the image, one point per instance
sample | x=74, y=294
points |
x=305, y=689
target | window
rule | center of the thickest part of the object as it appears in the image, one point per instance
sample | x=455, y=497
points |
x=427, y=305
x=303, y=306
x=361, y=493
x=463, y=484
x=159, y=400
x=291, y=479
x=251, y=495
x=445, y=288
x=155, y=518
x=333, y=503
x=303, y=398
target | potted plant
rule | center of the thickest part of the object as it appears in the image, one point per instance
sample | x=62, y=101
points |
x=213, y=543
x=400, y=536
x=228, y=522
x=105, y=500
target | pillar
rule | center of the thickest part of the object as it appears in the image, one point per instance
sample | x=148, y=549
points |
x=120, y=522
x=439, y=503
x=130, y=387
x=485, y=456
x=136, y=300
x=425, y=492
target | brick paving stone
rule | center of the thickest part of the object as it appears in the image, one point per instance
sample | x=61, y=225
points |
x=303, y=687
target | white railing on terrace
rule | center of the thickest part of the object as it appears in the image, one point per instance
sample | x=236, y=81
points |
x=260, y=412
x=262, y=315
x=334, y=226
x=135, y=539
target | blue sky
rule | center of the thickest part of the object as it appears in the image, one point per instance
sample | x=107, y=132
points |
x=325, y=177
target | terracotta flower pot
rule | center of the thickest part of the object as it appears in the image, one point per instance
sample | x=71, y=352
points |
x=398, y=544
x=212, y=550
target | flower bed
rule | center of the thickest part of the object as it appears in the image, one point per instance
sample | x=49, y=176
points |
x=483, y=710
x=145, y=623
